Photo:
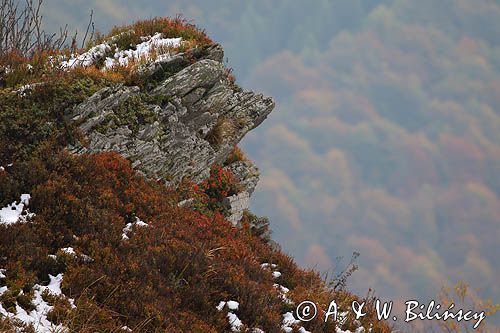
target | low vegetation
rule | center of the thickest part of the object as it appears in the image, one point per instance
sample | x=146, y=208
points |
x=168, y=275
x=168, y=272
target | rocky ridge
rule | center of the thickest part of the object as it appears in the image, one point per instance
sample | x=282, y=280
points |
x=190, y=120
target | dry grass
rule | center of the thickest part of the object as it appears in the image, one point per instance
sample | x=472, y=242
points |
x=236, y=155
x=222, y=131
x=19, y=68
x=169, y=27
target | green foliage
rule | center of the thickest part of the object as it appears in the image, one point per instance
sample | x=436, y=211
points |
x=36, y=115
x=133, y=112
x=259, y=226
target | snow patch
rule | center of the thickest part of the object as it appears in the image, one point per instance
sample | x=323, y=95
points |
x=38, y=316
x=88, y=58
x=288, y=321
x=129, y=226
x=357, y=330
x=220, y=306
x=26, y=89
x=13, y=213
x=282, y=293
x=144, y=50
x=267, y=265
x=234, y=321
x=69, y=250
x=233, y=305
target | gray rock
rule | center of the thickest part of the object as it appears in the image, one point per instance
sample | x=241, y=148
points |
x=191, y=120
x=236, y=205
x=246, y=173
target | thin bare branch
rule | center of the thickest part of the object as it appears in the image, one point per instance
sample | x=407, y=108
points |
x=21, y=29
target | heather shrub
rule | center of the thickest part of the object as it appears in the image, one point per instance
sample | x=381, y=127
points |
x=140, y=256
x=170, y=274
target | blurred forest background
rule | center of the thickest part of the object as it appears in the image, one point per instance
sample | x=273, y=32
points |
x=386, y=136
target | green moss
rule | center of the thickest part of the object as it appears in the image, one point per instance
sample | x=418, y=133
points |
x=126, y=40
x=135, y=112
x=150, y=81
x=38, y=115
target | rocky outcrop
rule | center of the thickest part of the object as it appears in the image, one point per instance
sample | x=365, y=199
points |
x=190, y=120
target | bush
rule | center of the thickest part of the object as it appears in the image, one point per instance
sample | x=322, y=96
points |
x=169, y=275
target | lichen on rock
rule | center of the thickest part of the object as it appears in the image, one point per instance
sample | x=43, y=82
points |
x=179, y=128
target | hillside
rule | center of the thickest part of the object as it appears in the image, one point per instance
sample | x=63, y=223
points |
x=385, y=138
x=124, y=199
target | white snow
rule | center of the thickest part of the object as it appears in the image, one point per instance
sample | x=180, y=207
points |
x=38, y=316
x=69, y=250
x=128, y=227
x=144, y=50
x=267, y=265
x=141, y=223
x=234, y=321
x=2, y=289
x=3, y=312
x=358, y=330
x=87, y=58
x=283, y=291
x=289, y=319
x=220, y=306
x=12, y=213
x=27, y=88
x=86, y=258
x=233, y=305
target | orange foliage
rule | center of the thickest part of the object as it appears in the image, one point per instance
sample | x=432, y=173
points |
x=168, y=275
